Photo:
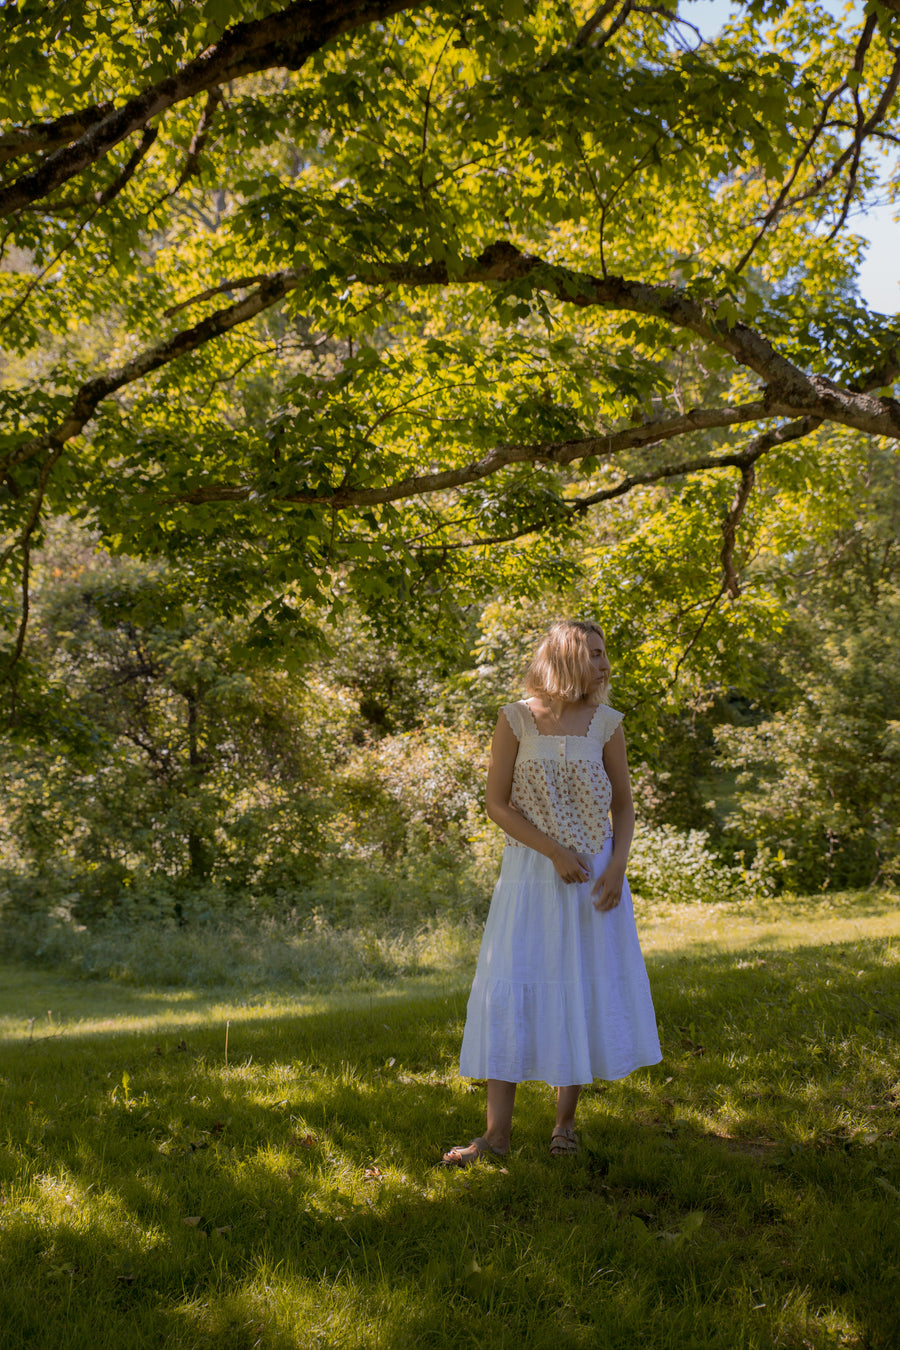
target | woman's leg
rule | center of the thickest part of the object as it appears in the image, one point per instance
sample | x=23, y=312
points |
x=566, y=1102
x=564, y=1140
x=501, y=1098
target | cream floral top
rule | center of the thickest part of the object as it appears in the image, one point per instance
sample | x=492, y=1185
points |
x=559, y=782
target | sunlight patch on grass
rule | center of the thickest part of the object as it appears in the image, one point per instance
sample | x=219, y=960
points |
x=741, y=1195
x=783, y=922
x=170, y=1011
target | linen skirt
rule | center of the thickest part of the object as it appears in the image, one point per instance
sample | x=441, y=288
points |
x=560, y=993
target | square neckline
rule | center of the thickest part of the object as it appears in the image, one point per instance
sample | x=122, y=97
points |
x=561, y=735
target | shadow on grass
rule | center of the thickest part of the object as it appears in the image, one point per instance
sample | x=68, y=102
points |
x=743, y=1193
x=37, y=1007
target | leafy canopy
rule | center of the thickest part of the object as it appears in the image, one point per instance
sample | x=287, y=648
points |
x=380, y=302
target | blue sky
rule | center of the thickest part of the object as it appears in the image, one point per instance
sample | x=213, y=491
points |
x=879, y=277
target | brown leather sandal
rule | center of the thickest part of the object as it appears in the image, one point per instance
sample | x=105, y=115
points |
x=482, y=1148
x=564, y=1142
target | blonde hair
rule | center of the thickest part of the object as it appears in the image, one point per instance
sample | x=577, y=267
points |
x=562, y=665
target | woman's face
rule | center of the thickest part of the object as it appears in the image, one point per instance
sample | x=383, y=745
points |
x=599, y=660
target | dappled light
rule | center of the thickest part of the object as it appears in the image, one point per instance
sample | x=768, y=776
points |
x=346, y=347
x=749, y=1178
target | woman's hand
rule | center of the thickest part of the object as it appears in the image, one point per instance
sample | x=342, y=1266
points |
x=607, y=889
x=569, y=866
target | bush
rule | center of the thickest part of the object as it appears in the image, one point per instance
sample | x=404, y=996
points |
x=348, y=929
x=820, y=784
x=667, y=864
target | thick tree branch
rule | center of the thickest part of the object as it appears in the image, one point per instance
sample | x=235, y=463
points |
x=93, y=392
x=567, y=512
x=731, y=582
x=238, y=284
x=741, y=459
x=286, y=39
x=100, y=199
x=790, y=392
x=43, y=136
x=546, y=452
x=730, y=578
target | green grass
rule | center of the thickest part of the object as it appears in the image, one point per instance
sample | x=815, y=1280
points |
x=745, y=1193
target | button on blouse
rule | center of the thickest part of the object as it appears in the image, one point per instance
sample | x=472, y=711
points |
x=560, y=783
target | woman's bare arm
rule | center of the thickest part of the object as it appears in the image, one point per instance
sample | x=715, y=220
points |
x=608, y=887
x=504, y=748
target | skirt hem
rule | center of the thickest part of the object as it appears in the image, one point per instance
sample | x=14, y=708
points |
x=560, y=993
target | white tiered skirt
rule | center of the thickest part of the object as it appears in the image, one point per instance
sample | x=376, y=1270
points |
x=561, y=993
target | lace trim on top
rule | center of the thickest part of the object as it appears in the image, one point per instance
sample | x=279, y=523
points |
x=560, y=783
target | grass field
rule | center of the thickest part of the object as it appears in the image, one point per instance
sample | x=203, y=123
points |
x=184, y=1168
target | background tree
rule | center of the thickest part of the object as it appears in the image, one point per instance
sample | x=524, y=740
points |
x=381, y=331
x=159, y=764
x=819, y=760
x=319, y=301
x=165, y=771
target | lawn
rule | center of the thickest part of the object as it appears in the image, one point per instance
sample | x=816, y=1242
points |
x=213, y=1167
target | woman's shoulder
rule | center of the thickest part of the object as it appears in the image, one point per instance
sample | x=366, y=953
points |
x=606, y=720
x=518, y=716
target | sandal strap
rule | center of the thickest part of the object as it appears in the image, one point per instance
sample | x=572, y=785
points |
x=481, y=1146
x=564, y=1140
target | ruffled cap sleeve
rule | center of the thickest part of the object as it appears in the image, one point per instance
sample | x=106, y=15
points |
x=605, y=721
x=513, y=714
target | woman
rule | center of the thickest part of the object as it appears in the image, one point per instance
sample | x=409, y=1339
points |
x=560, y=991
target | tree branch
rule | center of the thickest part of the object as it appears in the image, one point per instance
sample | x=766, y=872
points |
x=22, y=543
x=93, y=392
x=760, y=446
x=568, y=511
x=730, y=579
x=196, y=147
x=238, y=284
x=862, y=128
x=882, y=375
x=790, y=391
x=100, y=199
x=286, y=39
x=549, y=452
x=105, y=195
x=579, y=506
x=587, y=31
x=707, y=614
x=744, y=460
x=43, y=136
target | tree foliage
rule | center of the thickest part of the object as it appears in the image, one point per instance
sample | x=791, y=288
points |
x=156, y=765
x=818, y=762
x=160, y=773
x=376, y=303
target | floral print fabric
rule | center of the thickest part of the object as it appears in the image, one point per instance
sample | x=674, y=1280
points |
x=559, y=782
